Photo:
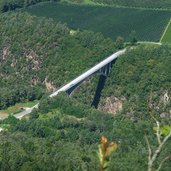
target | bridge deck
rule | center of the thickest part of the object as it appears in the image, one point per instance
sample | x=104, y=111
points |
x=88, y=73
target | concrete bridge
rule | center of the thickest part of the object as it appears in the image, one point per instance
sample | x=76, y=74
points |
x=101, y=68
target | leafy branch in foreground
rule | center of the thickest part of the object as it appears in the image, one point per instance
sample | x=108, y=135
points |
x=163, y=133
x=105, y=152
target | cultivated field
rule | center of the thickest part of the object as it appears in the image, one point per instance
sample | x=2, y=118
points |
x=111, y=21
x=160, y=4
x=166, y=38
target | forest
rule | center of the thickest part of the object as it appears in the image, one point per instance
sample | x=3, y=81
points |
x=64, y=135
x=133, y=109
x=32, y=65
x=10, y=5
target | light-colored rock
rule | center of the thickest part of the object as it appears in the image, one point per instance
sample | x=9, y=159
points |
x=5, y=52
x=33, y=57
x=1, y=129
x=49, y=85
x=112, y=105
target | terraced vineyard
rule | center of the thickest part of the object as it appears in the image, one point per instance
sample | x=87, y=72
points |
x=166, y=38
x=112, y=22
x=164, y=4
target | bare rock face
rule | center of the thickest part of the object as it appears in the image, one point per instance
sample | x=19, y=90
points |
x=112, y=105
x=14, y=62
x=5, y=52
x=160, y=104
x=165, y=114
x=164, y=99
x=34, y=58
x=49, y=85
x=34, y=80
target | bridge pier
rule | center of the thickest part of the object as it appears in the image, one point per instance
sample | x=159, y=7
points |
x=103, y=71
x=102, y=68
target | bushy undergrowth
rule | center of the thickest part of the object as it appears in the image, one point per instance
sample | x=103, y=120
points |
x=142, y=76
x=64, y=135
x=10, y=5
x=38, y=55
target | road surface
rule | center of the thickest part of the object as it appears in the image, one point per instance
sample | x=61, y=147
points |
x=26, y=112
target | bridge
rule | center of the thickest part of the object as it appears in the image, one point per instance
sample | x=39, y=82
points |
x=101, y=68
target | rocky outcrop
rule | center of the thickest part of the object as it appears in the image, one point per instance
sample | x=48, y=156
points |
x=49, y=85
x=14, y=62
x=164, y=99
x=33, y=57
x=112, y=104
x=165, y=114
x=160, y=103
x=34, y=80
x=5, y=52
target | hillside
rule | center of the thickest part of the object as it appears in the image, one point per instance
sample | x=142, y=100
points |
x=166, y=37
x=10, y=5
x=31, y=65
x=67, y=134
x=140, y=80
x=131, y=106
x=163, y=4
x=110, y=21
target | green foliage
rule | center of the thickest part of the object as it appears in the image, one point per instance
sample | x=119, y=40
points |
x=29, y=62
x=68, y=107
x=104, y=153
x=167, y=35
x=141, y=74
x=133, y=37
x=64, y=133
x=120, y=42
x=10, y=5
x=18, y=107
x=71, y=140
x=110, y=21
x=164, y=130
x=10, y=120
x=166, y=4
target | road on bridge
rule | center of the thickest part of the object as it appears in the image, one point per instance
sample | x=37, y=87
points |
x=77, y=80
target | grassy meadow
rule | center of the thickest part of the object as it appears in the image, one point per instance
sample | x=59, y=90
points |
x=111, y=21
x=16, y=108
x=166, y=38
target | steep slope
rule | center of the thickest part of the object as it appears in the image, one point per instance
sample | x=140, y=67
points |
x=64, y=135
x=38, y=55
x=141, y=81
x=110, y=21
x=10, y=5
x=166, y=4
